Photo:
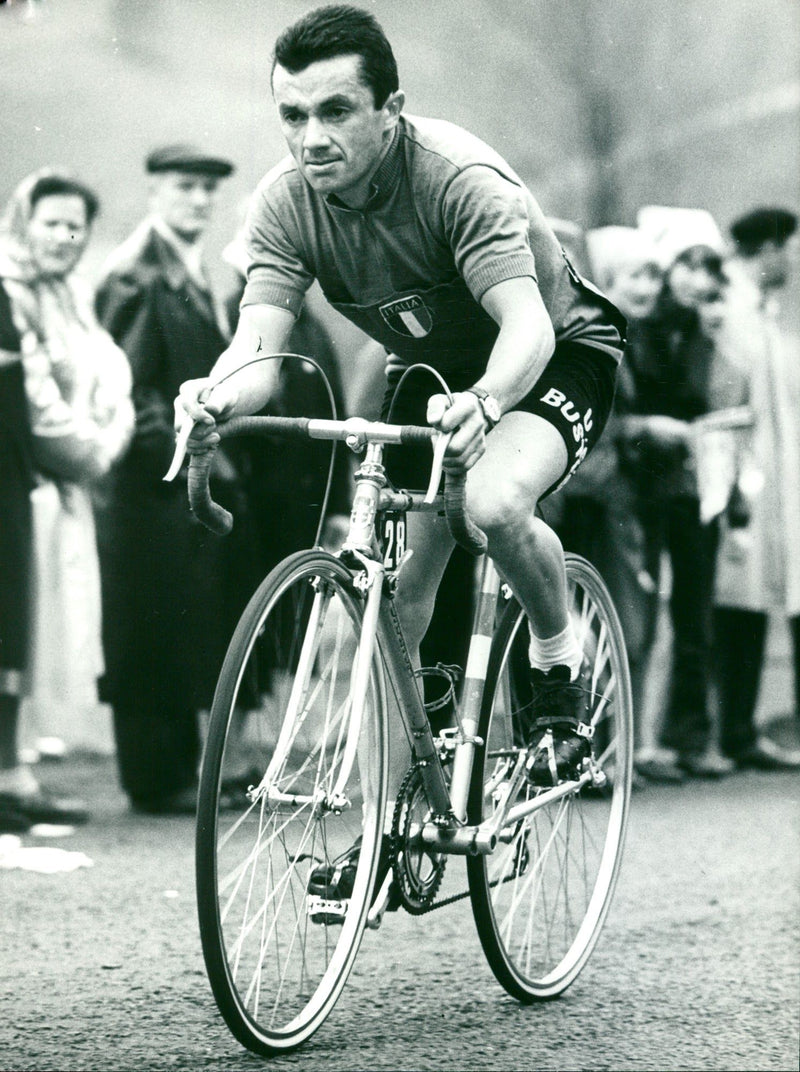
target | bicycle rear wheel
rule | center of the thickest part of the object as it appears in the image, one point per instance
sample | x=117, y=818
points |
x=540, y=900
x=286, y=786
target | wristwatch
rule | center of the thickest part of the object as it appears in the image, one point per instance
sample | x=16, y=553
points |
x=489, y=405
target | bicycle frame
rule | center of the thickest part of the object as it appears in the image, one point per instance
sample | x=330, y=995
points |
x=447, y=831
x=292, y=871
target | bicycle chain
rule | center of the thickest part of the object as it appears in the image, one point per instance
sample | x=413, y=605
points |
x=460, y=896
x=445, y=901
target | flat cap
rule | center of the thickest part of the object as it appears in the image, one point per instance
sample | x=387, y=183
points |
x=187, y=158
x=762, y=225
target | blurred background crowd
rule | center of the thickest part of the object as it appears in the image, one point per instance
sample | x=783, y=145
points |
x=664, y=145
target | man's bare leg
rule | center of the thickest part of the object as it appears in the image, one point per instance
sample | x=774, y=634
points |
x=524, y=457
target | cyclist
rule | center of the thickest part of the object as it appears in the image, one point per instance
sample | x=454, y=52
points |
x=425, y=238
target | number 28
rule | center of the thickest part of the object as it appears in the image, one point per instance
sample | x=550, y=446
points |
x=395, y=534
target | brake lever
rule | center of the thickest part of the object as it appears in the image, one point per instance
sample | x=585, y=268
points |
x=440, y=445
x=181, y=442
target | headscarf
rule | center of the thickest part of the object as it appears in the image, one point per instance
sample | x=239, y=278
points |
x=34, y=294
x=613, y=248
x=77, y=380
x=674, y=231
x=16, y=260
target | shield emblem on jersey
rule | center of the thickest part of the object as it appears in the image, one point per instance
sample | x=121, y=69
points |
x=408, y=316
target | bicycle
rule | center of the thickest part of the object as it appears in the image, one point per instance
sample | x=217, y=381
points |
x=322, y=642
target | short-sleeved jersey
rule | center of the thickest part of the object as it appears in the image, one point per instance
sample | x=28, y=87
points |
x=447, y=219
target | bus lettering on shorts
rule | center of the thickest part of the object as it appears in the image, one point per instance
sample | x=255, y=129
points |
x=581, y=423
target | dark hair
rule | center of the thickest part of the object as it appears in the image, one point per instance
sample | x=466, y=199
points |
x=57, y=185
x=340, y=30
x=703, y=257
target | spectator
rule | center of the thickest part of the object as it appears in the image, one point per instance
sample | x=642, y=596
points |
x=16, y=536
x=78, y=387
x=601, y=519
x=677, y=377
x=23, y=802
x=172, y=591
x=759, y=562
x=63, y=418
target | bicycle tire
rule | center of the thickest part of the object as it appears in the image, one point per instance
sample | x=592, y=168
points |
x=275, y=973
x=541, y=899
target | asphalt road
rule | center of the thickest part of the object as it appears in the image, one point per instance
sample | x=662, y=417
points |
x=698, y=967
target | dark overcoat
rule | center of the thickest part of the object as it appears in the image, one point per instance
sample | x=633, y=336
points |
x=16, y=483
x=172, y=591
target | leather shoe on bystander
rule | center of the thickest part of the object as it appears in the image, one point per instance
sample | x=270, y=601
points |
x=42, y=807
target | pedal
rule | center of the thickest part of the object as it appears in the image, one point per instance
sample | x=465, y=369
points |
x=323, y=910
x=599, y=776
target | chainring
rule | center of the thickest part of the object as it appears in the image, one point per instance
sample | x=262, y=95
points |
x=418, y=873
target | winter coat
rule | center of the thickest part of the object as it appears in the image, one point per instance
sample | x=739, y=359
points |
x=758, y=565
x=172, y=591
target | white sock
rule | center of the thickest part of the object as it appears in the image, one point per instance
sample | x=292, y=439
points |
x=559, y=650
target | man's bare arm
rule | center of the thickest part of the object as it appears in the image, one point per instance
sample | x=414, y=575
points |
x=520, y=354
x=240, y=382
x=525, y=343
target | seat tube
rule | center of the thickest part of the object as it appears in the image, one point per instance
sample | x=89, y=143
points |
x=474, y=679
x=411, y=708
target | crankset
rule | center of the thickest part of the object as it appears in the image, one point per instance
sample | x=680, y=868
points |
x=418, y=871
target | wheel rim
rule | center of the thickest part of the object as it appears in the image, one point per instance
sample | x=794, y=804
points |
x=544, y=893
x=275, y=972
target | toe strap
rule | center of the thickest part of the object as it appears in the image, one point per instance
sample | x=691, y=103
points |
x=574, y=725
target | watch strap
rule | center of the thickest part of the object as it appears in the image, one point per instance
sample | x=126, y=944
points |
x=482, y=394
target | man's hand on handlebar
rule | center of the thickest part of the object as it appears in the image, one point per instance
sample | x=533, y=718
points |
x=205, y=406
x=465, y=419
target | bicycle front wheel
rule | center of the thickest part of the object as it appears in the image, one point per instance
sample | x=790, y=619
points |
x=294, y=772
x=540, y=900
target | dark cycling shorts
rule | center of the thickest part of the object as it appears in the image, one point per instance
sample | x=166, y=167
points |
x=574, y=394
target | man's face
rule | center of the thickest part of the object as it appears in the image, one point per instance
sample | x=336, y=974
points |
x=184, y=201
x=334, y=131
x=634, y=288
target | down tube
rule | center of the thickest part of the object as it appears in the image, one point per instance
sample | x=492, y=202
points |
x=412, y=711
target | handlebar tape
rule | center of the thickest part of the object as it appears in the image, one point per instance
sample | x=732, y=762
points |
x=220, y=521
x=462, y=528
x=414, y=433
x=211, y=514
x=285, y=427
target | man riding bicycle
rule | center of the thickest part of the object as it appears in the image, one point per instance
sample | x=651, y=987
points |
x=425, y=238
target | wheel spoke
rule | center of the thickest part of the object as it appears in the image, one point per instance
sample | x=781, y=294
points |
x=275, y=972
x=541, y=901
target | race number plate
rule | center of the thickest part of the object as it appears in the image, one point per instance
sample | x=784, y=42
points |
x=394, y=538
